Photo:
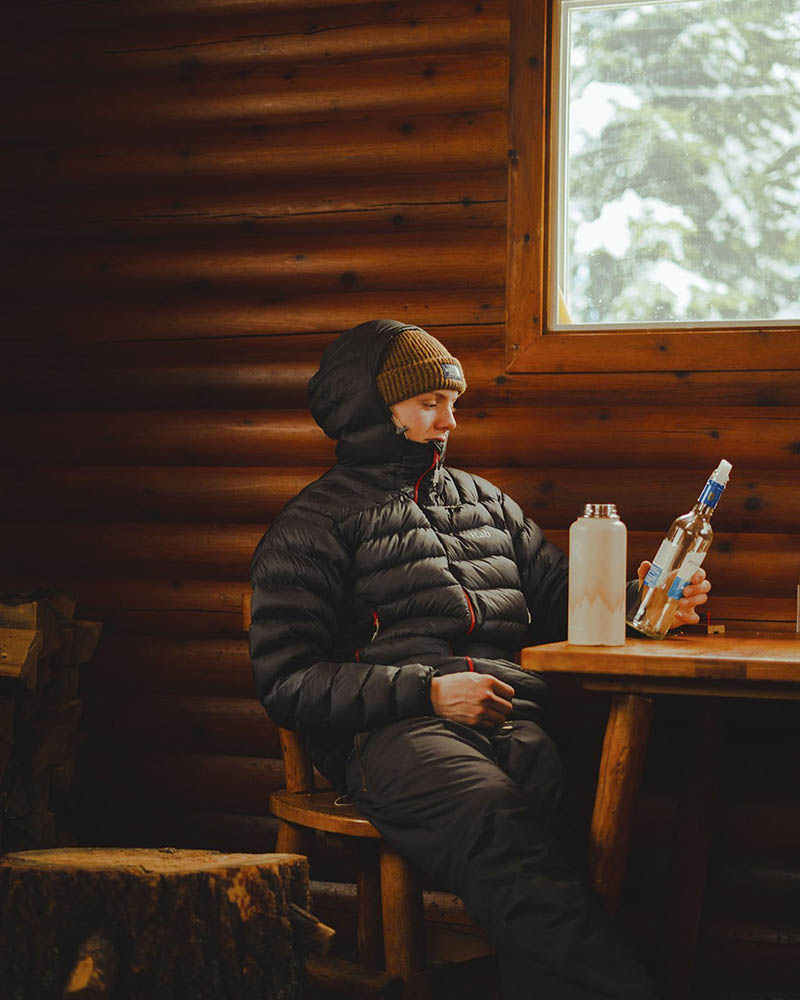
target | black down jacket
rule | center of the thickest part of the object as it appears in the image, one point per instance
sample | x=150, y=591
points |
x=390, y=569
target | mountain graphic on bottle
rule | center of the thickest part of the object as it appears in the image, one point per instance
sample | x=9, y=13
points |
x=678, y=558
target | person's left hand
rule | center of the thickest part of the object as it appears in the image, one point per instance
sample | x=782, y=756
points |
x=694, y=593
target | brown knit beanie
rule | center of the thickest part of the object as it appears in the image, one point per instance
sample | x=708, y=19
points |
x=415, y=362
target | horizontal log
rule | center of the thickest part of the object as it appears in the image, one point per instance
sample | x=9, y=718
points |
x=768, y=503
x=201, y=609
x=756, y=439
x=183, y=724
x=205, y=48
x=746, y=959
x=739, y=564
x=425, y=84
x=154, y=11
x=239, y=228
x=137, y=664
x=750, y=954
x=243, y=372
x=741, y=612
x=37, y=554
x=742, y=887
x=161, y=623
x=159, y=608
x=129, y=824
x=748, y=821
x=313, y=264
x=739, y=886
x=212, y=782
x=195, y=315
x=406, y=144
x=343, y=204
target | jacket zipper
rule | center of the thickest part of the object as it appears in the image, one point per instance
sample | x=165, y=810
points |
x=376, y=623
x=430, y=468
x=471, y=610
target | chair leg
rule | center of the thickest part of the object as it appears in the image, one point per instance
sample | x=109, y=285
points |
x=370, y=924
x=294, y=839
x=403, y=916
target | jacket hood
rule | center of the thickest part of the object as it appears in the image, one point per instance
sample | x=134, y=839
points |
x=343, y=395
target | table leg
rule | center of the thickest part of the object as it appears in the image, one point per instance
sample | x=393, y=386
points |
x=624, y=747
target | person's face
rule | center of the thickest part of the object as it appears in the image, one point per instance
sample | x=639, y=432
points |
x=427, y=417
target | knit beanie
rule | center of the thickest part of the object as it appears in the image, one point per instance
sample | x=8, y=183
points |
x=415, y=362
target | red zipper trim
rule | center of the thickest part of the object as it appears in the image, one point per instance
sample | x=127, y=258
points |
x=471, y=613
x=432, y=466
x=470, y=664
x=376, y=622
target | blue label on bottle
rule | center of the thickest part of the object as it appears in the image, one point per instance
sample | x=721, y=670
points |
x=653, y=575
x=676, y=590
x=712, y=491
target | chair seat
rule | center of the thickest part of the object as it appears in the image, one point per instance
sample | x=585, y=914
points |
x=317, y=811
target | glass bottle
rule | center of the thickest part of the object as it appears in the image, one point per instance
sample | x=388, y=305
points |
x=678, y=558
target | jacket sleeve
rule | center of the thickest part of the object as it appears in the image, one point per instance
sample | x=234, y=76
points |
x=544, y=573
x=299, y=572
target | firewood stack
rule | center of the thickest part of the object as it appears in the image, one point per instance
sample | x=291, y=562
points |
x=42, y=650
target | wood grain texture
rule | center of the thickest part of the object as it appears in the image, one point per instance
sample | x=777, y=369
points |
x=239, y=39
x=223, y=783
x=318, y=811
x=219, y=551
x=79, y=917
x=550, y=495
x=234, y=371
x=185, y=723
x=527, y=124
x=415, y=84
x=754, y=439
x=762, y=657
x=215, y=157
x=158, y=303
x=403, y=916
x=306, y=265
x=624, y=748
x=163, y=665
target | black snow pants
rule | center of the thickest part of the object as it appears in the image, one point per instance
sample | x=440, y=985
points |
x=480, y=813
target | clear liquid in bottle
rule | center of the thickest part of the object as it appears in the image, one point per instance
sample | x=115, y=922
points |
x=678, y=558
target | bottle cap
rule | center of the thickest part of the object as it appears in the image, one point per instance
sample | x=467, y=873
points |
x=721, y=473
x=600, y=510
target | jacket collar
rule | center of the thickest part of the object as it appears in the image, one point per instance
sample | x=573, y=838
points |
x=380, y=446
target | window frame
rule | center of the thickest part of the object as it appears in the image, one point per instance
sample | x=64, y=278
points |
x=530, y=345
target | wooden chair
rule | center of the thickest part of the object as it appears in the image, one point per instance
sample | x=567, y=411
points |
x=391, y=926
x=391, y=922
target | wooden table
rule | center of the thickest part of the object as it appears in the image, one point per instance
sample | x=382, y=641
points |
x=749, y=665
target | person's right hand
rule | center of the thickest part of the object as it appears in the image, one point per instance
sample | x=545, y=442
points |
x=473, y=699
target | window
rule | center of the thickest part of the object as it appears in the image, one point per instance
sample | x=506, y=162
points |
x=654, y=189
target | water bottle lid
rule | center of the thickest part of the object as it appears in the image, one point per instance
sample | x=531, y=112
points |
x=600, y=510
x=721, y=473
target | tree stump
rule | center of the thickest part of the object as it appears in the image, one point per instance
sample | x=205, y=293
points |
x=142, y=924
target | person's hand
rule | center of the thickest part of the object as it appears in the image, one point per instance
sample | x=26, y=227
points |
x=694, y=593
x=473, y=699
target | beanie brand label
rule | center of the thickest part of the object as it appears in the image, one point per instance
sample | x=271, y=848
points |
x=452, y=371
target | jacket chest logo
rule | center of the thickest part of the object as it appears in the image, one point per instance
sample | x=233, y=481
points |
x=477, y=533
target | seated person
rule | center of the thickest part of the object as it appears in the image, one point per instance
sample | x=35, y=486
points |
x=389, y=599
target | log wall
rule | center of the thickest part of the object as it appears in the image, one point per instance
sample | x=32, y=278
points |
x=199, y=196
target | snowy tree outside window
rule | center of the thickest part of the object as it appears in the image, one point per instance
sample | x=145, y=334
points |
x=676, y=167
